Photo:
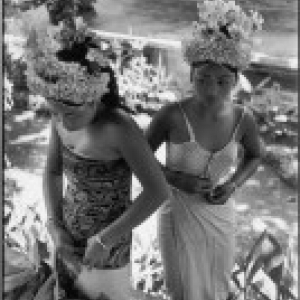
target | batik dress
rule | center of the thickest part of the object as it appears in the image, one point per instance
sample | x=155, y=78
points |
x=97, y=193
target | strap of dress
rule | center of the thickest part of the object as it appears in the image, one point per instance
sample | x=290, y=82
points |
x=188, y=124
x=237, y=127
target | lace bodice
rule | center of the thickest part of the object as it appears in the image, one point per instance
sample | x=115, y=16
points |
x=192, y=158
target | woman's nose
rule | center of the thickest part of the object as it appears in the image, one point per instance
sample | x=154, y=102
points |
x=212, y=87
x=57, y=117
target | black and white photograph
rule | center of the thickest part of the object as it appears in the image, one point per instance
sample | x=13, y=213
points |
x=150, y=149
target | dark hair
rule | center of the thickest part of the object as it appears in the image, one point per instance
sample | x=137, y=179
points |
x=234, y=70
x=77, y=53
x=230, y=68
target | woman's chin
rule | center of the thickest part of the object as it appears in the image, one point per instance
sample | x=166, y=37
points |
x=211, y=100
x=71, y=127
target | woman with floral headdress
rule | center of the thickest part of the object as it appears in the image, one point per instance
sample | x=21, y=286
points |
x=95, y=144
x=204, y=135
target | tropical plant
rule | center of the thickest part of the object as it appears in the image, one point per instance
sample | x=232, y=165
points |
x=264, y=273
x=55, y=7
x=144, y=86
x=276, y=112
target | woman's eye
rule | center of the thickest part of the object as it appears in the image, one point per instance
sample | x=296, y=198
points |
x=68, y=115
x=223, y=82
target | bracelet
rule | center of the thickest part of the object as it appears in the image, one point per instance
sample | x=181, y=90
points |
x=98, y=239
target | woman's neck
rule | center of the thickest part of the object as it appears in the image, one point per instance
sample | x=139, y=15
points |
x=209, y=110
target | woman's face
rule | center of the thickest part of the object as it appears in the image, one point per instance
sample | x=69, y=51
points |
x=73, y=117
x=213, y=83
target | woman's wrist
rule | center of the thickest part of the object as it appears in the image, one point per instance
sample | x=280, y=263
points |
x=99, y=240
x=103, y=240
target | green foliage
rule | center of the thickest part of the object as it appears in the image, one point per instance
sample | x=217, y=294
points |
x=284, y=161
x=62, y=10
x=279, y=113
x=144, y=86
x=276, y=112
x=16, y=73
x=55, y=7
x=15, y=67
x=24, y=229
x=8, y=100
x=147, y=268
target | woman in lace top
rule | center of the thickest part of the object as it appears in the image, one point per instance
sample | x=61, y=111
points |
x=205, y=136
x=212, y=148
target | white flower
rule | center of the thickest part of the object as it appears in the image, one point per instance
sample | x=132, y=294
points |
x=79, y=23
x=281, y=118
x=51, y=78
x=167, y=96
x=97, y=56
x=209, y=42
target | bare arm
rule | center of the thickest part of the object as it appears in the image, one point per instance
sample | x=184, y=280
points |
x=137, y=153
x=53, y=193
x=158, y=130
x=157, y=133
x=53, y=177
x=253, y=148
x=252, y=145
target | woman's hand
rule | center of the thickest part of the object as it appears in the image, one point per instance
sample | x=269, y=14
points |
x=220, y=194
x=95, y=254
x=189, y=183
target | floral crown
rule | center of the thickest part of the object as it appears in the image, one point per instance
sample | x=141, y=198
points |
x=64, y=64
x=223, y=34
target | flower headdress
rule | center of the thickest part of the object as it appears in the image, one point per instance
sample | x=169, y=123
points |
x=223, y=34
x=65, y=64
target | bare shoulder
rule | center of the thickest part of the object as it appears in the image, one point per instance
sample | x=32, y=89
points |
x=120, y=124
x=171, y=111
